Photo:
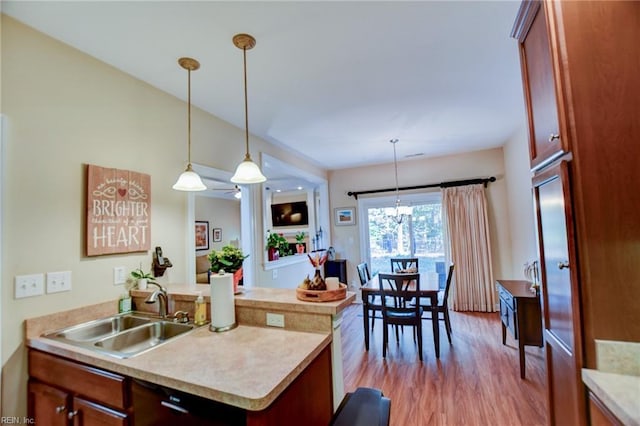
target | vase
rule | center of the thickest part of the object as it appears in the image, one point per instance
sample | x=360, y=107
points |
x=142, y=283
x=237, y=276
x=317, y=283
x=300, y=248
x=273, y=254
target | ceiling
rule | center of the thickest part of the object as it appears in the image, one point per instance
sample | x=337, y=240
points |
x=333, y=81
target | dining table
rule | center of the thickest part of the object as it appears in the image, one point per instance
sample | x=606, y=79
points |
x=428, y=289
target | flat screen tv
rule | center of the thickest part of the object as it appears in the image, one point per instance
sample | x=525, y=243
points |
x=290, y=214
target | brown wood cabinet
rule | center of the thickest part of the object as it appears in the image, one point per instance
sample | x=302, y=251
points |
x=580, y=63
x=520, y=313
x=62, y=392
x=599, y=414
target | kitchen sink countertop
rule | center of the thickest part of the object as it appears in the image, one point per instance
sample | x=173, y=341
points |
x=247, y=367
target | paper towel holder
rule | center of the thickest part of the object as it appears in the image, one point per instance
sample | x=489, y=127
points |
x=221, y=329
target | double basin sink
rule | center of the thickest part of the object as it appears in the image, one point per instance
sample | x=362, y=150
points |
x=123, y=335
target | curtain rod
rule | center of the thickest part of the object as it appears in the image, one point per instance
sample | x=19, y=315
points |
x=449, y=184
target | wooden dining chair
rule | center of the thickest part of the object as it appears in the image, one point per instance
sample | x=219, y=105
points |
x=398, y=282
x=400, y=314
x=363, y=273
x=443, y=304
x=404, y=264
x=374, y=301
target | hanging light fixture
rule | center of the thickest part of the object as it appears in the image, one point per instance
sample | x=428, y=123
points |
x=247, y=172
x=398, y=218
x=189, y=180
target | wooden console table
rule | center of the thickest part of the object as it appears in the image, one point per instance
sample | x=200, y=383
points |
x=520, y=313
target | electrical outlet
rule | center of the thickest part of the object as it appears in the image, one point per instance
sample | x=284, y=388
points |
x=29, y=285
x=275, y=320
x=58, y=281
x=274, y=274
x=119, y=275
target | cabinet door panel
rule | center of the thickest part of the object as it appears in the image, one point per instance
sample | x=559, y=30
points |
x=47, y=405
x=540, y=89
x=557, y=295
x=560, y=294
x=86, y=413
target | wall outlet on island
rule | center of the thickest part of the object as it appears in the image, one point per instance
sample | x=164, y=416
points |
x=275, y=320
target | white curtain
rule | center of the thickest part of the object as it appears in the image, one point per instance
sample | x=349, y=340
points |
x=468, y=247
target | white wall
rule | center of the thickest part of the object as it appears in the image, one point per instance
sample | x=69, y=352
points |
x=220, y=213
x=521, y=214
x=484, y=163
x=65, y=109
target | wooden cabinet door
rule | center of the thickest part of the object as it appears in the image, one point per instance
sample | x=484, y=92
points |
x=545, y=142
x=560, y=296
x=47, y=405
x=87, y=413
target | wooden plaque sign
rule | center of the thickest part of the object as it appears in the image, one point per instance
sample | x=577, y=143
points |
x=118, y=211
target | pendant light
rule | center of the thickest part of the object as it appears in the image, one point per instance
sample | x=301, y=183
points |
x=247, y=172
x=398, y=218
x=189, y=180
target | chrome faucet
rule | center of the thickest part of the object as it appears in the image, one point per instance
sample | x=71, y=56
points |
x=161, y=296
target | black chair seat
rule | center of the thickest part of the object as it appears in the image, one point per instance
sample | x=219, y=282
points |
x=364, y=407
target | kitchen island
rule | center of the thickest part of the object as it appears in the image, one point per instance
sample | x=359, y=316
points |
x=251, y=367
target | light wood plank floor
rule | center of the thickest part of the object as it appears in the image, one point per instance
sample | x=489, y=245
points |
x=476, y=381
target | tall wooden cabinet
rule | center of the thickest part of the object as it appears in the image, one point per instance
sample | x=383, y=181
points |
x=580, y=63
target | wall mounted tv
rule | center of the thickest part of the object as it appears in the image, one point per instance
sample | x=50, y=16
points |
x=290, y=214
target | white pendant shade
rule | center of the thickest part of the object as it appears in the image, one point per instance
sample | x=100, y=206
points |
x=248, y=172
x=189, y=181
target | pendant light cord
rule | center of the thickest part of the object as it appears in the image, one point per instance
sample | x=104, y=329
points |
x=189, y=116
x=246, y=105
x=395, y=163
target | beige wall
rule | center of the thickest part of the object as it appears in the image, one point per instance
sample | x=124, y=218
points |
x=65, y=109
x=419, y=172
x=521, y=217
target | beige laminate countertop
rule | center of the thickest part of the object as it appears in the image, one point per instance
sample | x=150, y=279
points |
x=259, y=297
x=247, y=367
x=619, y=392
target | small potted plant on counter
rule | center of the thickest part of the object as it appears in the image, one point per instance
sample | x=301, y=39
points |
x=276, y=246
x=230, y=260
x=142, y=278
x=300, y=242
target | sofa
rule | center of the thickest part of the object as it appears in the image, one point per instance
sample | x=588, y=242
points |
x=202, y=269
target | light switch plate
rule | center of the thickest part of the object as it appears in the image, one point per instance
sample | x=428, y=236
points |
x=29, y=285
x=58, y=281
x=119, y=275
x=275, y=320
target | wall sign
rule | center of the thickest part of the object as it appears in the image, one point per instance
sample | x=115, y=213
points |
x=118, y=211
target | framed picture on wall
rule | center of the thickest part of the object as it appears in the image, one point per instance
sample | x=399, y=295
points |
x=345, y=216
x=202, y=235
x=217, y=235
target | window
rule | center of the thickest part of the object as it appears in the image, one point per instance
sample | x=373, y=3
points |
x=419, y=235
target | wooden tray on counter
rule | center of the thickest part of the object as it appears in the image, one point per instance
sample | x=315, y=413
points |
x=322, y=295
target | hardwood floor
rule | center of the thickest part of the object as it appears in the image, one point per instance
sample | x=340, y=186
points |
x=476, y=381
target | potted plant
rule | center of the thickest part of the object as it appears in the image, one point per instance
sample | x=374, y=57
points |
x=142, y=278
x=300, y=242
x=276, y=245
x=230, y=259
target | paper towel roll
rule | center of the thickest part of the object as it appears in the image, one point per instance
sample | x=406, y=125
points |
x=223, y=308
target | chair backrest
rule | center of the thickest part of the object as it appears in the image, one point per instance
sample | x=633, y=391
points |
x=398, y=282
x=404, y=263
x=397, y=287
x=363, y=273
x=448, y=285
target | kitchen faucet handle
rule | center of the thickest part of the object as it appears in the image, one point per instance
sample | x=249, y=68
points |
x=181, y=316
